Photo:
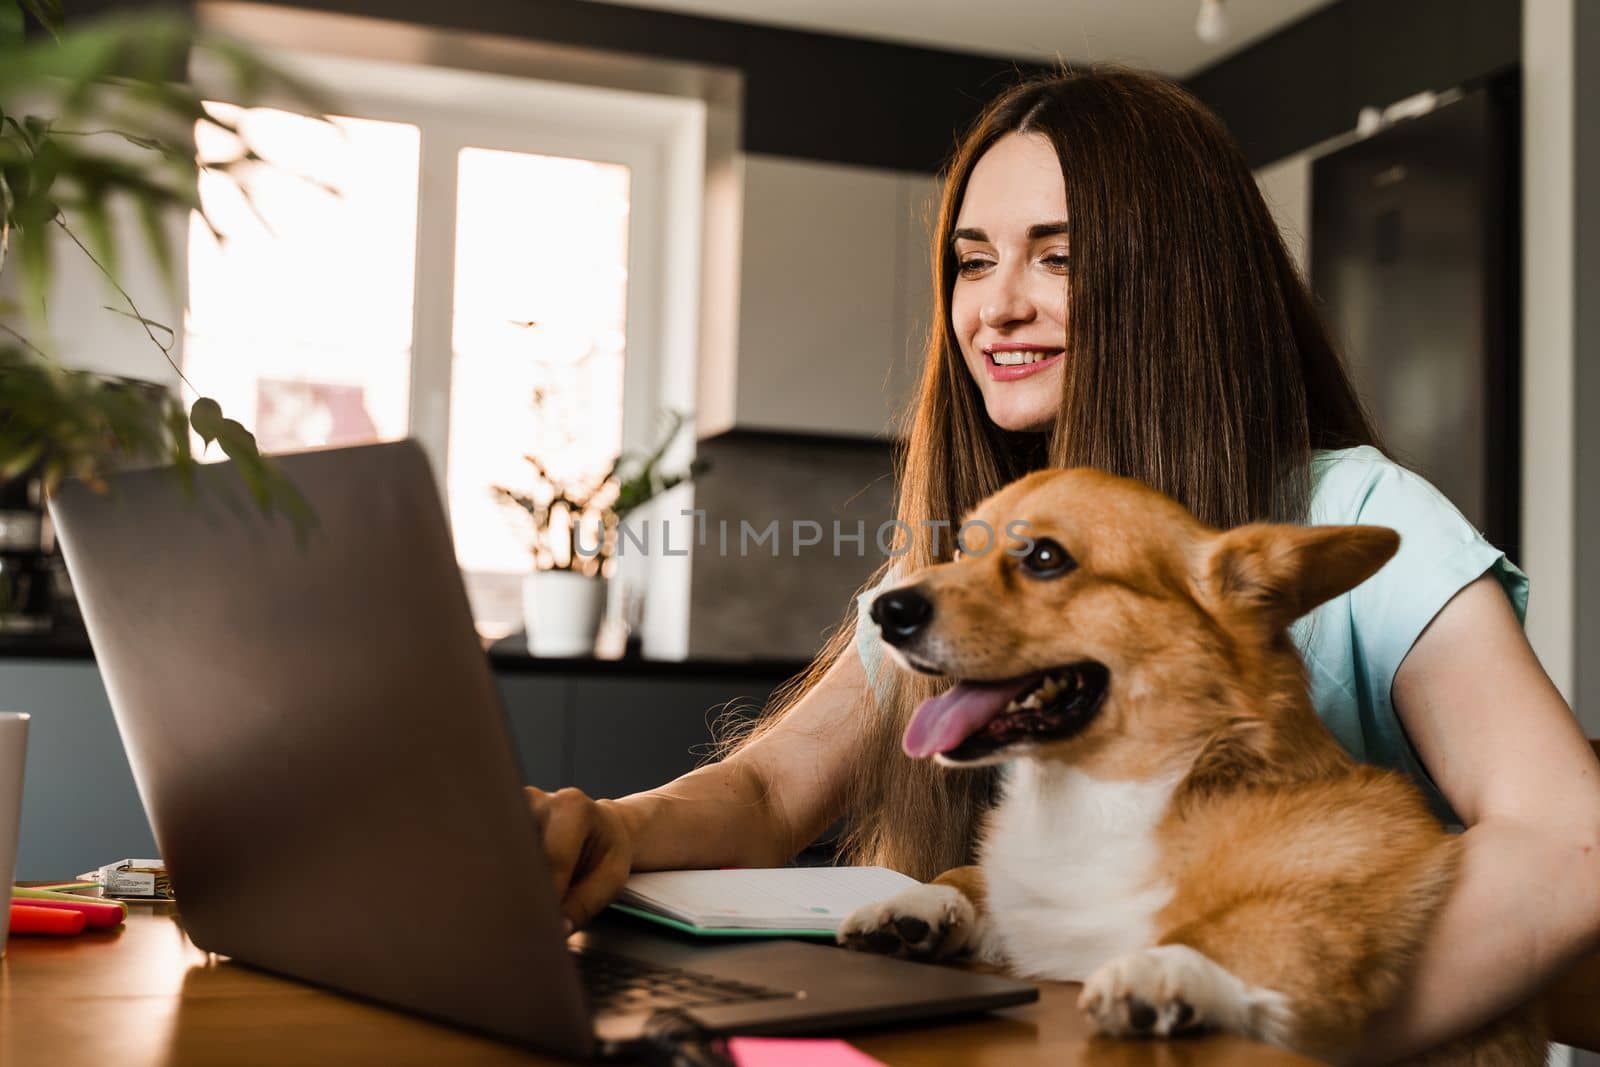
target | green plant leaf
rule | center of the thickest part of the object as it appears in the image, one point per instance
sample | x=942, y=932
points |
x=45, y=166
x=20, y=181
x=13, y=463
x=149, y=144
x=156, y=241
x=182, y=456
x=10, y=23
x=123, y=77
x=20, y=133
x=33, y=251
x=46, y=13
x=206, y=418
x=236, y=441
x=97, y=230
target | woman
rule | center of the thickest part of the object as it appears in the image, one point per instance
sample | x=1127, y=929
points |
x=1111, y=291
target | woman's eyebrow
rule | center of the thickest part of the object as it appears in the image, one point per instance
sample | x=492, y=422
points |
x=1036, y=232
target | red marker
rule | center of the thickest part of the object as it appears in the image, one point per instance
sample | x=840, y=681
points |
x=26, y=919
x=99, y=914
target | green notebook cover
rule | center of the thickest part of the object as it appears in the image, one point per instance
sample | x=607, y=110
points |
x=718, y=931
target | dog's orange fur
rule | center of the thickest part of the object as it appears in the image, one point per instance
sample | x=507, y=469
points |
x=1293, y=867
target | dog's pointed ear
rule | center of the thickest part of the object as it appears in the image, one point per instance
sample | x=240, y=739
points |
x=1279, y=572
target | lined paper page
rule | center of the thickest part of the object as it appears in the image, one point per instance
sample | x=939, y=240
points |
x=767, y=898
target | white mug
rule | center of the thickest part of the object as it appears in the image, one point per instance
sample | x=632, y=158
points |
x=13, y=747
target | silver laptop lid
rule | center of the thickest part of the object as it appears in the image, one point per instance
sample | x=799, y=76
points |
x=317, y=740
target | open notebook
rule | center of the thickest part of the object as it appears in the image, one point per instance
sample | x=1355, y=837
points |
x=804, y=901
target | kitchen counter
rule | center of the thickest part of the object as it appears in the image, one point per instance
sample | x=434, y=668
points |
x=608, y=727
x=511, y=656
x=508, y=656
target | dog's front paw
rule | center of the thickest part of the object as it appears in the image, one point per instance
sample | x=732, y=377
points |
x=930, y=922
x=1172, y=989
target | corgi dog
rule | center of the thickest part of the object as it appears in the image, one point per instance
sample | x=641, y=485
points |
x=1176, y=829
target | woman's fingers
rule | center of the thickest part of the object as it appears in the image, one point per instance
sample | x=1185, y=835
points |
x=597, y=888
x=589, y=850
x=566, y=820
x=608, y=861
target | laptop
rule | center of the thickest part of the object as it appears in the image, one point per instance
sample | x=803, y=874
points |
x=318, y=742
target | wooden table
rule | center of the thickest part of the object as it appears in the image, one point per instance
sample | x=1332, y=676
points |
x=144, y=996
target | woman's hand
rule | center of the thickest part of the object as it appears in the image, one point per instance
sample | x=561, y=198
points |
x=756, y=808
x=590, y=848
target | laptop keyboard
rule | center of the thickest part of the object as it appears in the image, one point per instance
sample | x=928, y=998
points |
x=618, y=984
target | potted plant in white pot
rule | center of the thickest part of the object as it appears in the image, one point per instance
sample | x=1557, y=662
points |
x=575, y=530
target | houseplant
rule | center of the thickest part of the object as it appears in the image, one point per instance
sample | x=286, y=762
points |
x=96, y=123
x=575, y=529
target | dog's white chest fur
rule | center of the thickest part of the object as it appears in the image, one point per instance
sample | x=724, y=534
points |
x=1071, y=868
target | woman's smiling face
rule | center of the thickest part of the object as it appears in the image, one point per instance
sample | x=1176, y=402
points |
x=1009, y=304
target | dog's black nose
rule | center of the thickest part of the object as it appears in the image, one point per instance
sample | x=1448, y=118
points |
x=901, y=614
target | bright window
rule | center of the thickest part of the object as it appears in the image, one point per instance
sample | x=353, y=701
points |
x=540, y=312
x=493, y=240
x=299, y=317
x=440, y=275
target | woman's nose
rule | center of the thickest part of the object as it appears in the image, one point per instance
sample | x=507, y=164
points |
x=1006, y=303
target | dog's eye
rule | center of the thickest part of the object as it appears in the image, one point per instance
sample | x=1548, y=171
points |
x=1047, y=560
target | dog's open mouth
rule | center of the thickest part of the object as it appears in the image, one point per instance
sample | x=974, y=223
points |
x=973, y=719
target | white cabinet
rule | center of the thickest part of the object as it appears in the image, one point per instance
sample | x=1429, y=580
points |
x=1286, y=187
x=833, y=295
x=919, y=218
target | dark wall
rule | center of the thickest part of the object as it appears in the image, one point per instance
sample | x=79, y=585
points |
x=758, y=604
x=1307, y=82
x=807, y=95
x=848, y=100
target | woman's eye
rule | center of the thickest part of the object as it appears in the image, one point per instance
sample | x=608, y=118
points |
x=971, y=267
x=1047, y=559
x=1058, y=261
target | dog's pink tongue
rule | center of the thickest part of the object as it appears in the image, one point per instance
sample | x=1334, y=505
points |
x=943, y=722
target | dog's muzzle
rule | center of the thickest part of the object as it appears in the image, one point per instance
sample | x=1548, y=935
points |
x=901, y=614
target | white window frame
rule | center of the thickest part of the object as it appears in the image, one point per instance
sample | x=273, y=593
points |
x=661, y=139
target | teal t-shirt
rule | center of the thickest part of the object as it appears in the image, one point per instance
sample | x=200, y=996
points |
x=1354, y=643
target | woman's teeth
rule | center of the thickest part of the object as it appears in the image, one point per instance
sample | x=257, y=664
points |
x=1017, y=359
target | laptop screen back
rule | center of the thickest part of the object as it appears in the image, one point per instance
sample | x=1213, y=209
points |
x=316, y=737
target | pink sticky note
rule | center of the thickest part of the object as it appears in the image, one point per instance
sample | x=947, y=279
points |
x=796, y=1052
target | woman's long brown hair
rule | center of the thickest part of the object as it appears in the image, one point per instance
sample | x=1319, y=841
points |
x=1196, y=362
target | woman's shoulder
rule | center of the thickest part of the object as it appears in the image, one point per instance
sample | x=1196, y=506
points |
x=1440, y=548
x=1362, y=485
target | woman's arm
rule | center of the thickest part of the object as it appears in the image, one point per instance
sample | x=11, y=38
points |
x=768, y=800
x=1505, y=750
x=758, y=807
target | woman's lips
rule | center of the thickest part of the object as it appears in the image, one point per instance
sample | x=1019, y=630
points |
x=1000, y=373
